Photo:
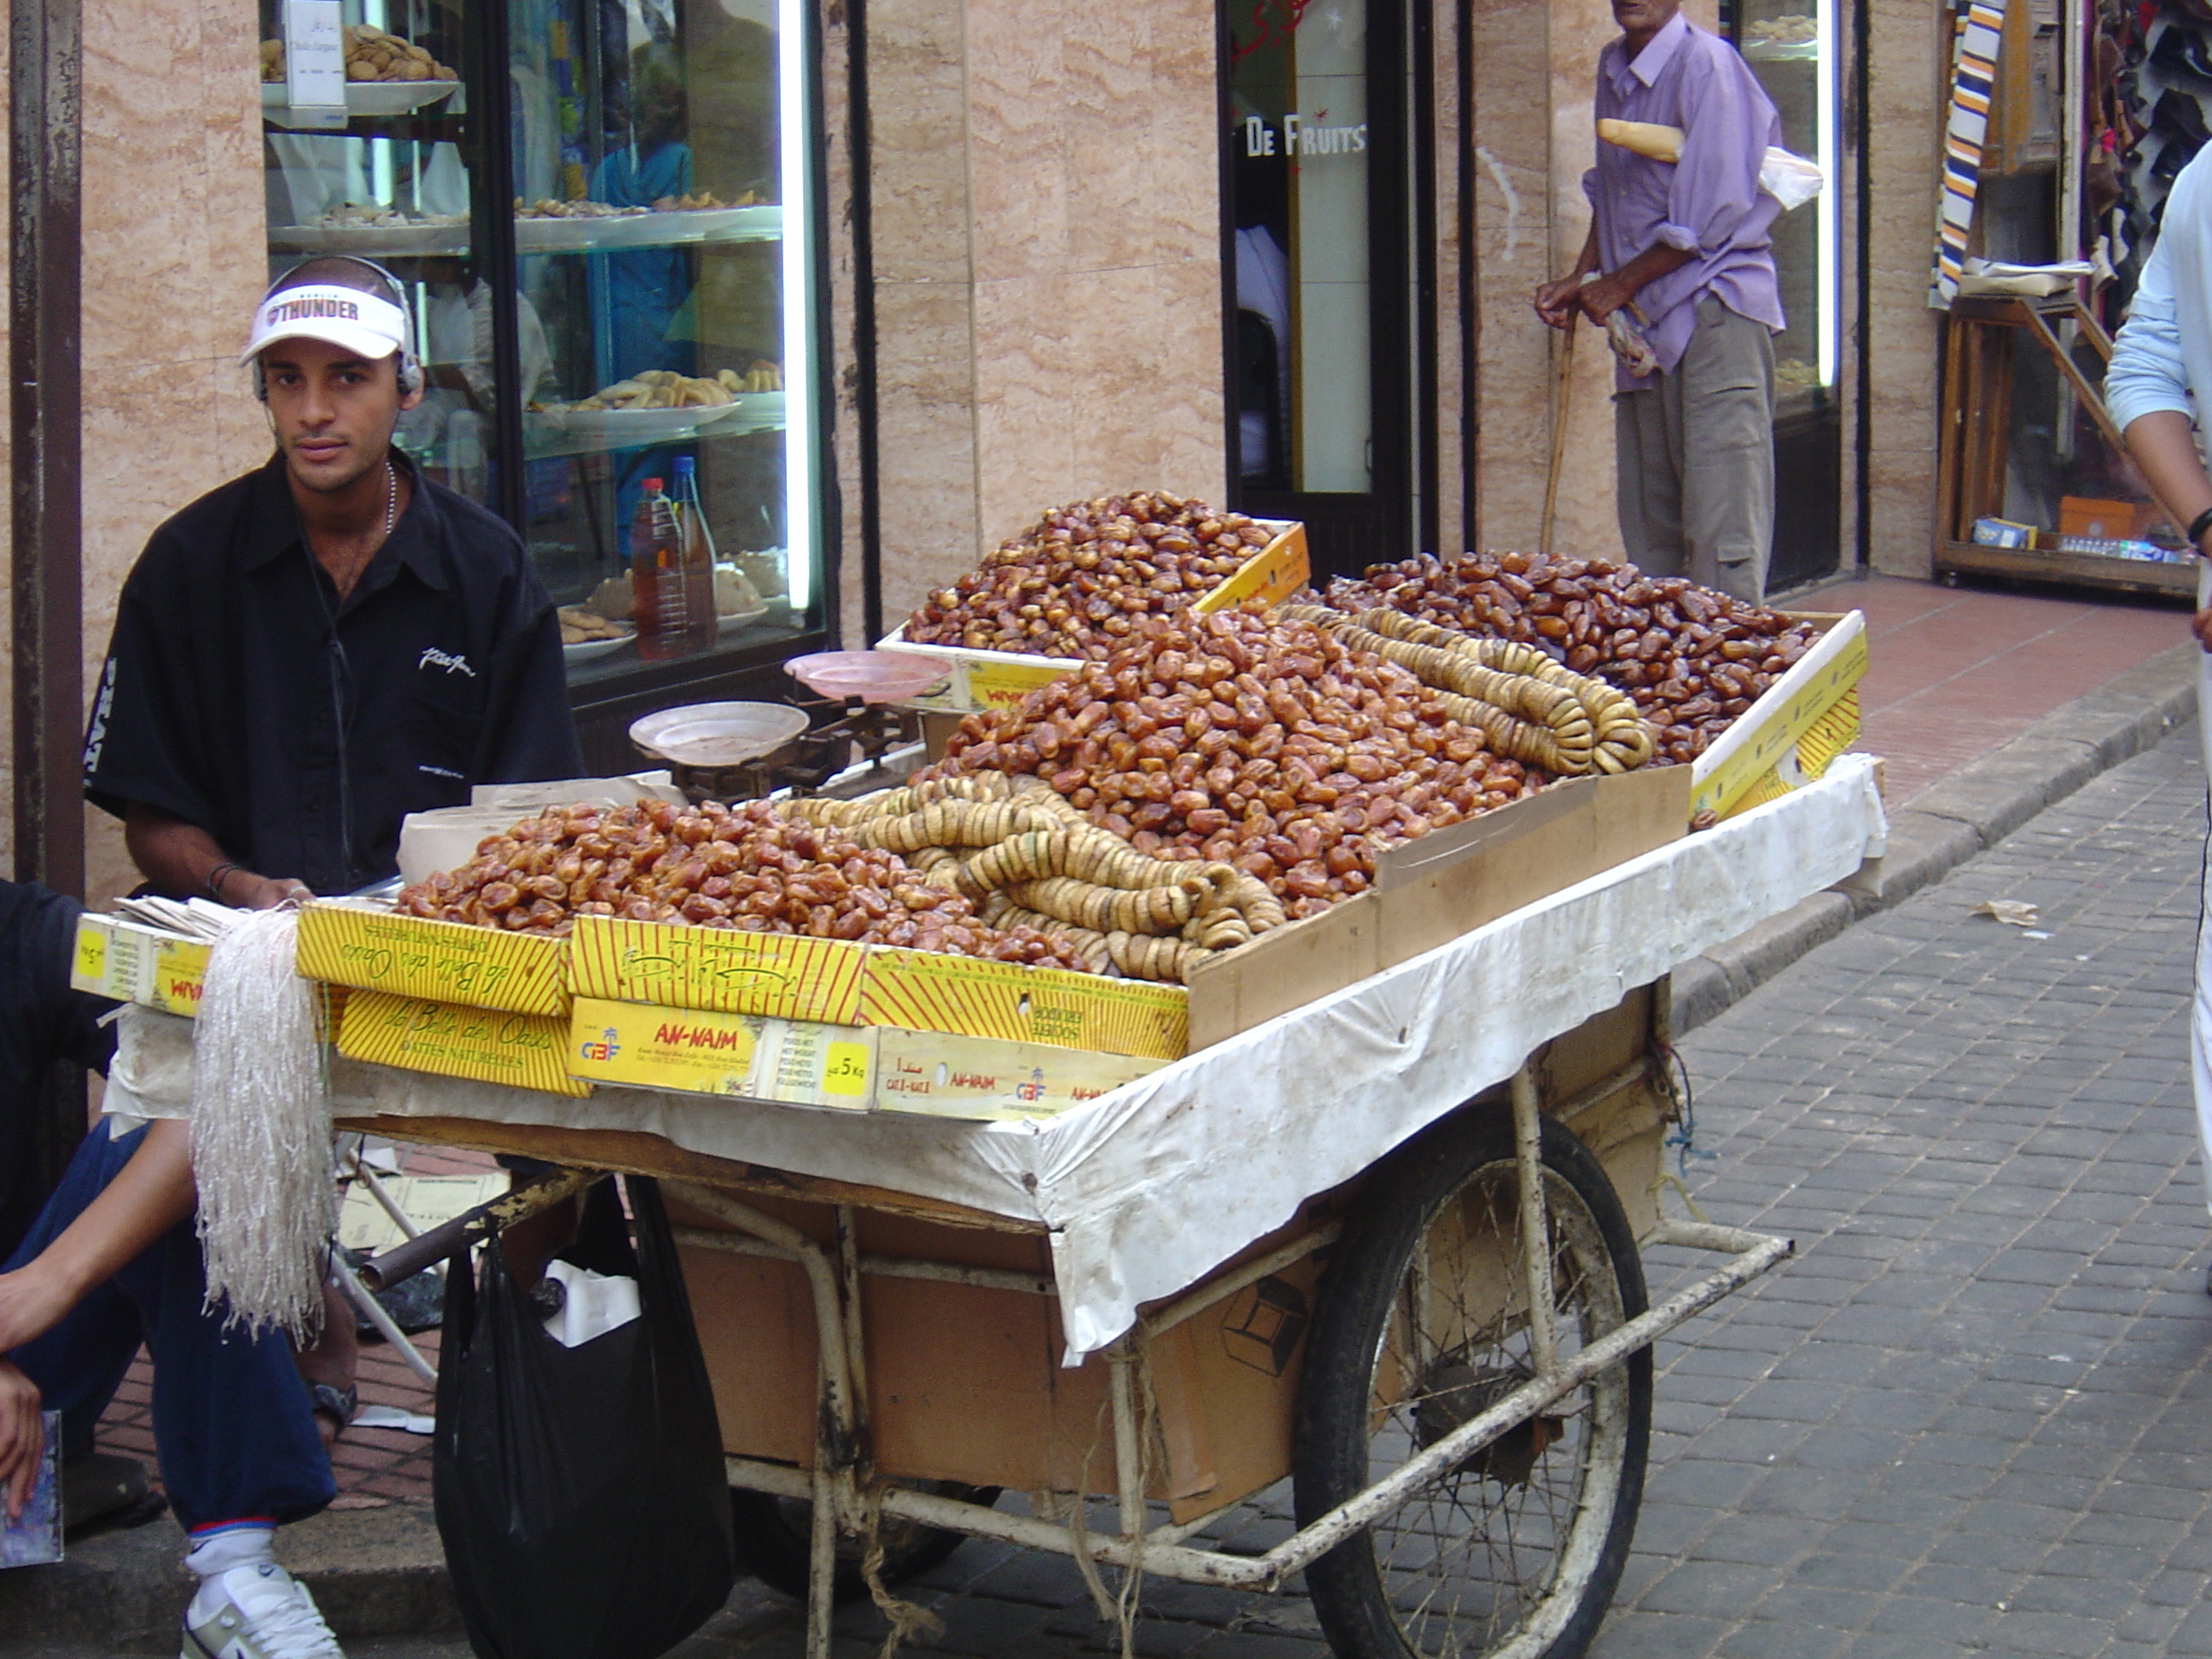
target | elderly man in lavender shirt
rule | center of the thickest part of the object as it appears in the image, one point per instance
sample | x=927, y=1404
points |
x=1685, y=246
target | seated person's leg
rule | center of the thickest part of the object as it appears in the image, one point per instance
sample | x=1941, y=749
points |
x=78, y=1363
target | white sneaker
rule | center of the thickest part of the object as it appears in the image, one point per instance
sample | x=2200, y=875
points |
x=256, y=1612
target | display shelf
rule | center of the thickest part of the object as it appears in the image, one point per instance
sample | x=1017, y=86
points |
x=616, y=431
x=680, y=227
x=1776, y=52
x=418, y=241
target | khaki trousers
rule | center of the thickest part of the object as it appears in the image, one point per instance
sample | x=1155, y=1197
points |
x=1695, y=457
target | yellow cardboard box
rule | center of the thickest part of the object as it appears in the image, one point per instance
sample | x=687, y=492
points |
x=446, y=962
x=707, y=1052
x=934, y=1075
x=1787, y=738
x=727, y=969
x=525, y=1051
x=134, y=964
x=999, y=679
x=927, y=991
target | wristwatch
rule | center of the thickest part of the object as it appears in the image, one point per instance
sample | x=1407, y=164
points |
x=2197, y=527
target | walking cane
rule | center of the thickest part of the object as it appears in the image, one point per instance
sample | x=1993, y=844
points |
x=1563, y=395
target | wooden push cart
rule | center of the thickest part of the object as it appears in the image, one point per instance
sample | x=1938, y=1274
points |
x=1442, y=1340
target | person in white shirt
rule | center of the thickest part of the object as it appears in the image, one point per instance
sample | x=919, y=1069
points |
x=2161, y=377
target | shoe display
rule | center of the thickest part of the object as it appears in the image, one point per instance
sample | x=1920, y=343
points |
x=2177, y=154
x=2179, y=53
x=2178, y=113
x=256, y=1612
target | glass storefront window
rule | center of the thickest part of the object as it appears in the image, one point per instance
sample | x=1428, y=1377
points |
x=649, y=164
x=1301, y=149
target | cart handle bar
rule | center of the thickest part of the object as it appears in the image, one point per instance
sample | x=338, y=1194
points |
x=1754, y=1252
x=405, y=1259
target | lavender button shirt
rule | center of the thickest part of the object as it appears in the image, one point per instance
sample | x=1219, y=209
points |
x=1709, y=203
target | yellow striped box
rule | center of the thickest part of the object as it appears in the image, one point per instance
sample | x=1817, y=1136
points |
x=490, y=1045
x=446, y=962
x=725, y=969
x=923, y=991
x=703, y=1051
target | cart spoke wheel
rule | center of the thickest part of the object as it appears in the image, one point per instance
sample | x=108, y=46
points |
x=775, y=1537
x=1514, y=1552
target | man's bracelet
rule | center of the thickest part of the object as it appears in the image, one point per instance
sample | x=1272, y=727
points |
x=2197, y=527
x=215, y=879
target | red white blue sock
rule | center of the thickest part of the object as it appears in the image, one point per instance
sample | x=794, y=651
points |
x=216, y=1547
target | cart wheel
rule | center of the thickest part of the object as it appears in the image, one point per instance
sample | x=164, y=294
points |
x=1515, y=1553
x=774, y=1534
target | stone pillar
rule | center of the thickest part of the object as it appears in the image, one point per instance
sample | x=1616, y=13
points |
x=1907, y=90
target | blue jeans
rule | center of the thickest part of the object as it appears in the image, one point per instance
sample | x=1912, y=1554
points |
x=232, y=1420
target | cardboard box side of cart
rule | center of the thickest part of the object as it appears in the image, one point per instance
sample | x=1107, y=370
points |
x=965, y=1382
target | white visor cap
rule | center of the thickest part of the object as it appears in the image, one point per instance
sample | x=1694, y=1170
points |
x=344, y=317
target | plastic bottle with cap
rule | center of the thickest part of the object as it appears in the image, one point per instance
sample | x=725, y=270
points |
x=698, y=557
x=656, y=576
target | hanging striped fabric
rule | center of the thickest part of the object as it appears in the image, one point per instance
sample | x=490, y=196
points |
x=1970, y=82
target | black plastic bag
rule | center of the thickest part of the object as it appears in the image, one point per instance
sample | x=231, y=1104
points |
x=580, y=1492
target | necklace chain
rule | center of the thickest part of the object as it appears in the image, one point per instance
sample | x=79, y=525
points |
x=390, y=498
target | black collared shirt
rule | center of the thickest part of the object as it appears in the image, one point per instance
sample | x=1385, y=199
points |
x=241, y=696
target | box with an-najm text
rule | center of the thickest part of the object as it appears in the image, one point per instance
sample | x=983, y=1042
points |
x=447, y=961
x=130, y=963
x=488, y=1045
x=707, y=1052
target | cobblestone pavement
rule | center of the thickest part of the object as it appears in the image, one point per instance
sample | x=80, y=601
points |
x=1975, y=1415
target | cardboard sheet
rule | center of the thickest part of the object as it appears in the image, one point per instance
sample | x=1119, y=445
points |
x=1147, y=1188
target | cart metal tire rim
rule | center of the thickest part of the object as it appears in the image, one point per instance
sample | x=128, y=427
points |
x=1516, y=1550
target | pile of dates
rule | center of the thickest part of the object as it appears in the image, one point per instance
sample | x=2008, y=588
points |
x=1267, y=745
x=713, y=867
x=1691, y=658
x=1077, y=583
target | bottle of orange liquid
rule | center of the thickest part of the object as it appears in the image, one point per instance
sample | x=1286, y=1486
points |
x=656, y=576
x=701, y=624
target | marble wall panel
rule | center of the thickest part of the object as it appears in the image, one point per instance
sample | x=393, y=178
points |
x=1511, y=246
x=925, y=426
x=918, y=137
x=1020, y=104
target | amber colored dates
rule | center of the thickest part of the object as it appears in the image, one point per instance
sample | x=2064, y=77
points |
x=1692, y=659
x=712, y=866
x=1267, y=745
x=1076, y=582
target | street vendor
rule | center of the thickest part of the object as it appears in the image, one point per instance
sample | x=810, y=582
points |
x=299, y=659
x=316, y=649
x=1684, y=247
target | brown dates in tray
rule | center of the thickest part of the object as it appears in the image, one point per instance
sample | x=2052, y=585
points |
x=1265, y=745
x=712, y=866
x=1075, y=583
x=1691, y=658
